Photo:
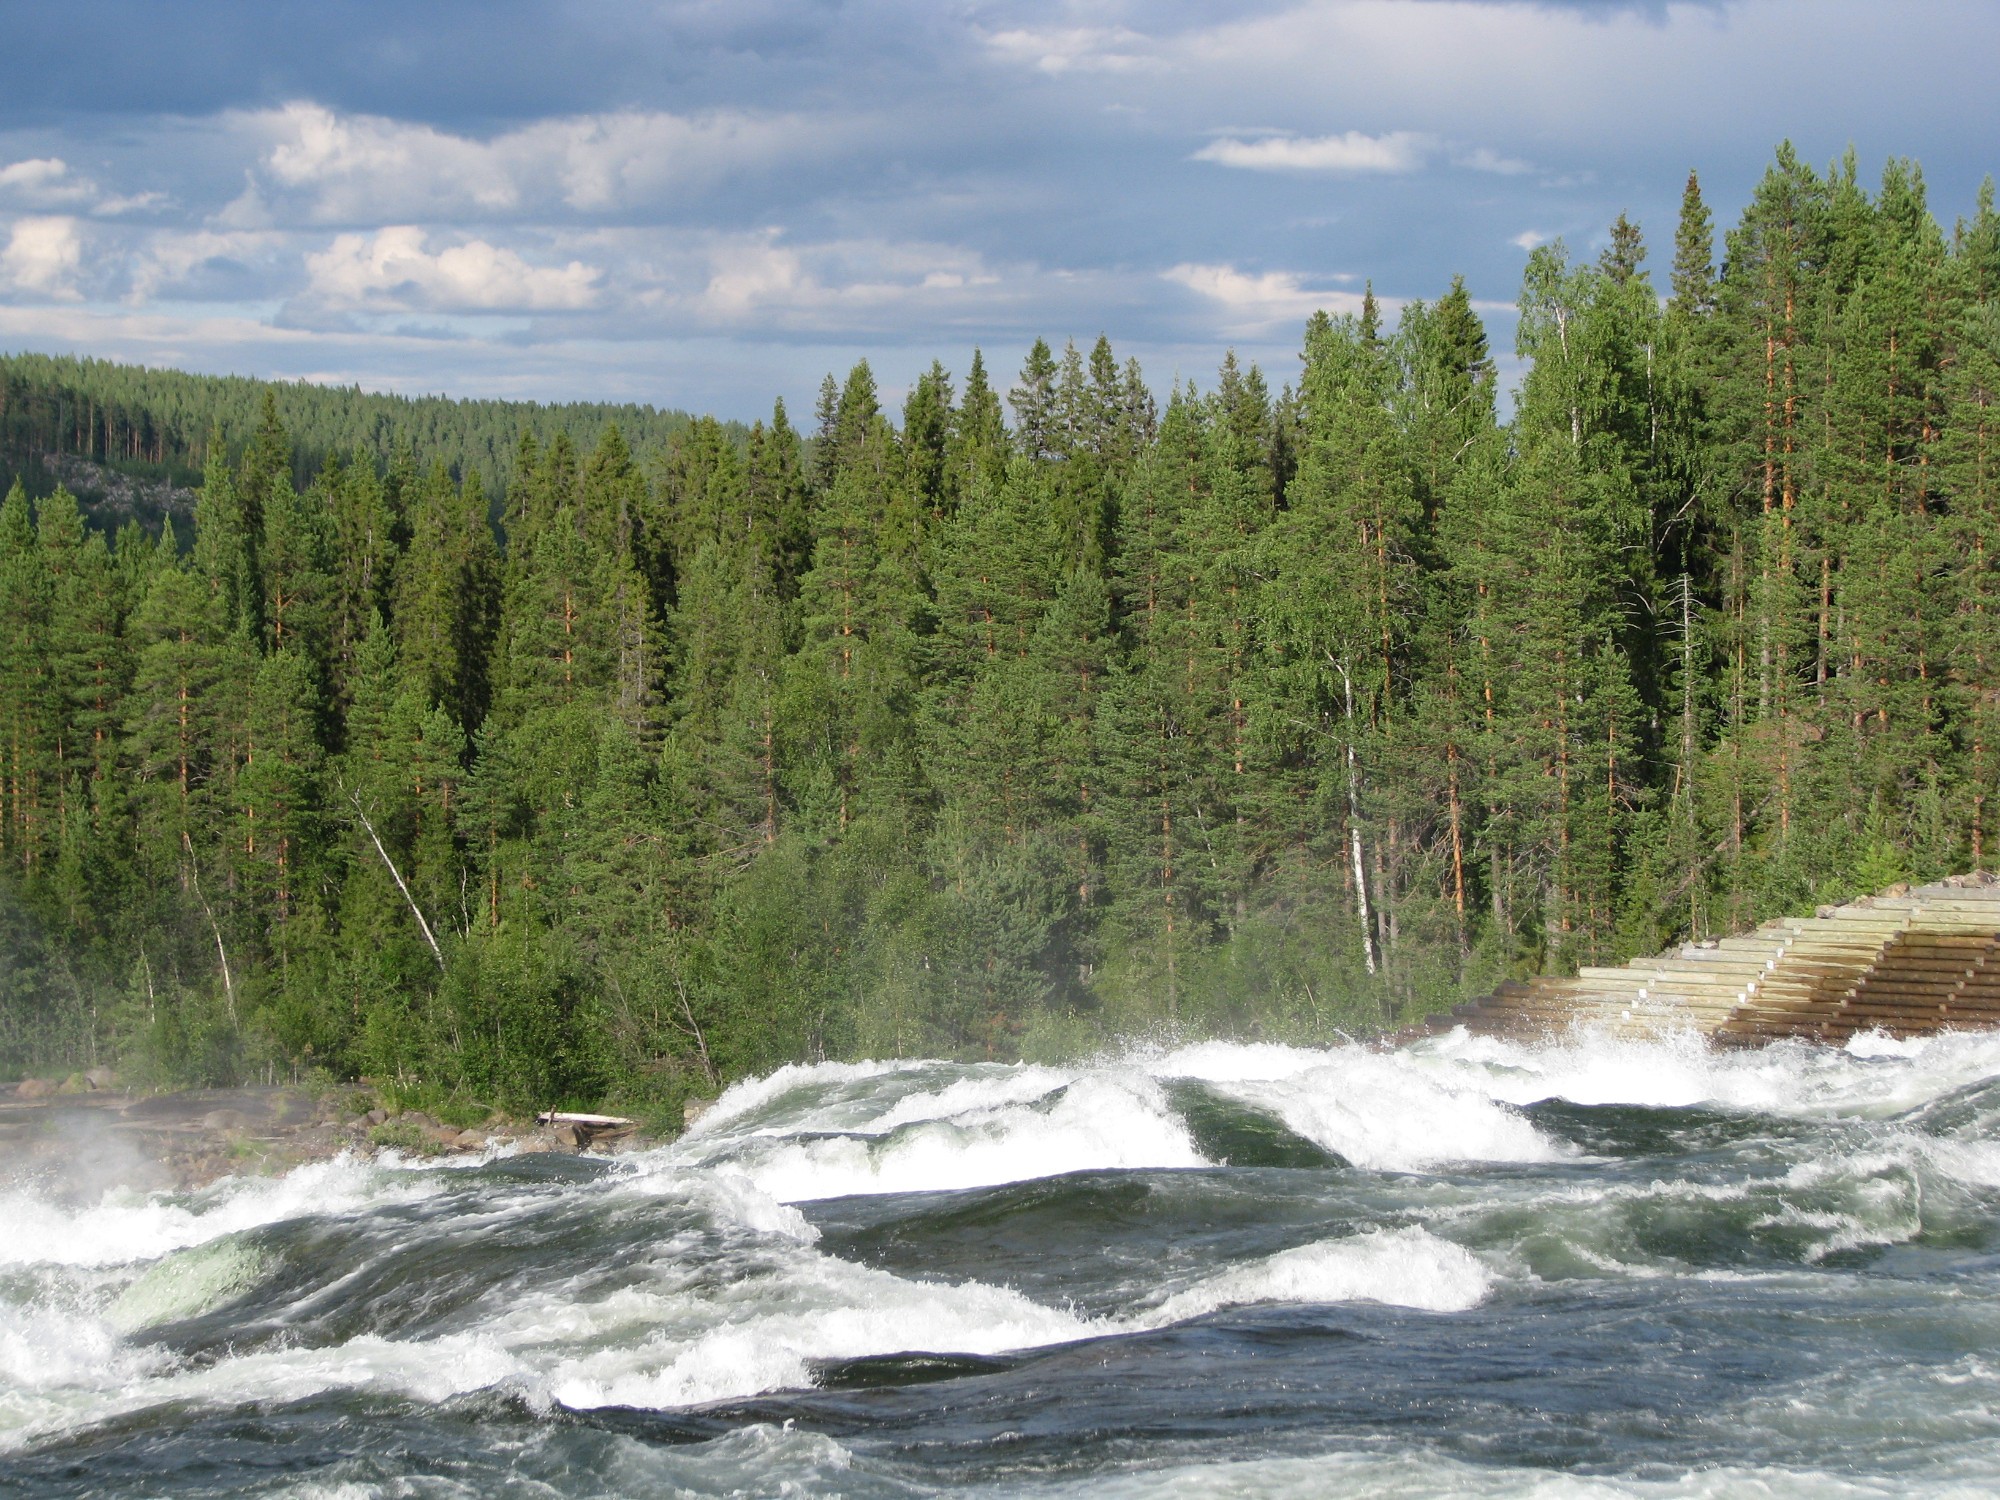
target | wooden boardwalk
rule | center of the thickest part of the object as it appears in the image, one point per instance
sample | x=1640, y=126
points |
x=1907, y=962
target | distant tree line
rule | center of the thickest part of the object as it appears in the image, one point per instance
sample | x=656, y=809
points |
x=161, y=422
x=1266, y=714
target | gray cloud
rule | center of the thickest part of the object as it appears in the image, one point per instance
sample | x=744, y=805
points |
x=712, y=203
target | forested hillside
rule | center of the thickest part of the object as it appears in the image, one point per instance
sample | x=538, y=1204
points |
x=160, y=423
x=1030, y=717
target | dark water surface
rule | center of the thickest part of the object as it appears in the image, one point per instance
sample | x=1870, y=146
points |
x=1468, y=1268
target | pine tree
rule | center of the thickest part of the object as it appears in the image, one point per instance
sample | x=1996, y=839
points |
x=30, y=738
x=978, y=443
x=297, y=557
x=1693, y=277
x=1034, y=401
x=779, y=509
x=87, y=671
x=447, y=592
x=363, y=562
x=278, y=797
x=927, y=424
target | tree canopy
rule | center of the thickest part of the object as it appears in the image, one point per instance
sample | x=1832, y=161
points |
x=571, y=754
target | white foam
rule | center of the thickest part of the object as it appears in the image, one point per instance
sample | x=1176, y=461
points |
x=975, y=1132
x=831, y=1129
x=1422, y=1475
x=813, y=1083
x=48, y=1346
x=743, y=1302
x=727, y=1194
x=1974, y=1163
x=1401, y=1267
x=125, y=1227
x=977, y=1095
x=1871, y=1077
x=1381, y=1110
x=822, y=1309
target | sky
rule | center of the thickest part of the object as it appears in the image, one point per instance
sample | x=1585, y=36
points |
x=707, y=204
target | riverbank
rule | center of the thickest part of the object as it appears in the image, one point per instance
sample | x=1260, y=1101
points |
x=76, y=1145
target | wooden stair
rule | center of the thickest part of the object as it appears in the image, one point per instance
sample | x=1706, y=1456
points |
x=1906, y=962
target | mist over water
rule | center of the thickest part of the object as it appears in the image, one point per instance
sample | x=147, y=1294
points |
x=1468, y=1267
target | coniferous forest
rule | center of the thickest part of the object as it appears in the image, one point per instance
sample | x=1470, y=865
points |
x=1047, y=710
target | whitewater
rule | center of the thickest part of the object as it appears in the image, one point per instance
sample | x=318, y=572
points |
x=1589, y=1268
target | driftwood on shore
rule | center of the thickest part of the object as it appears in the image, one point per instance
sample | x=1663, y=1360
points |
x=582, y=1131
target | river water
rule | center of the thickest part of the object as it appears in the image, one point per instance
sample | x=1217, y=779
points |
x=1467, y=1267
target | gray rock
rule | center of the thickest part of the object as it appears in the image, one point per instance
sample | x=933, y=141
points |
x=376, y=1116
x=35, y=1088
x=99, y=1078
x=225, y=1119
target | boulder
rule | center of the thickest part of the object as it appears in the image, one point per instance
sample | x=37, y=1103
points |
x=471, y=1140
x=376, y=1116
x=35, y=1088
x=99, y=1078
x=225, y=1119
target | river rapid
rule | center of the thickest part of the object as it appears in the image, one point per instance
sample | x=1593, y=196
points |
x=1465, y=1267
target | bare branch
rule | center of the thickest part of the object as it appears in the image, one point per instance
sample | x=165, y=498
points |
x=396, y=875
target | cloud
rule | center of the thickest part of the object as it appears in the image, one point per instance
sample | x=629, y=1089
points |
x=840, y=285
x=1397, y=151
x=43, y=255
x=939, y=176
x=170, y=258
x=1075, y=49
x=44, y=181
x=35, y=173
x=1528, y=239
x=365, y=169
x=1486, y=159
x=1257, y=303
x=391, y=159
x=392, y=269
x=113, y=206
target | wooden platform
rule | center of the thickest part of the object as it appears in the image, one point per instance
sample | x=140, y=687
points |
x=1907, y=962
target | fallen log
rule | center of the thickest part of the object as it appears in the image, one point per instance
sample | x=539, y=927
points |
x=582, y=1131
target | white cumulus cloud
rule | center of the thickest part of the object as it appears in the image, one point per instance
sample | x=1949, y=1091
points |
x=844, y=286
x=367, y=169
x=1486, y=159
x=1354, y=151
x=168, y=257
x=1075, y=49
x=37, y=172
x=44, y=182
x=394, y=268
x=1254, y=302
x=43, y=255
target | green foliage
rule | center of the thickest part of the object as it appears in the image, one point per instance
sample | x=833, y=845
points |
x=523, y=757
x=405, y=1137
x=167, y=423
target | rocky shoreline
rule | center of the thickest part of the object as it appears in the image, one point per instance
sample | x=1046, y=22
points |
x=76, y=1145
